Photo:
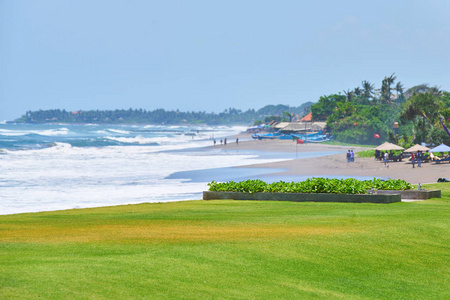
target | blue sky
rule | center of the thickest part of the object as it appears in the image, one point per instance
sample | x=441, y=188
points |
x=212, y=55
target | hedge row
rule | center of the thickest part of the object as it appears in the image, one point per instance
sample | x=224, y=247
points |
x=311, y=185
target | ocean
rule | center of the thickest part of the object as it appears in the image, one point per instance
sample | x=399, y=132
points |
x=61, y=166
x=53, y=167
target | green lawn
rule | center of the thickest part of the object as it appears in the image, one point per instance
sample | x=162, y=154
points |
x=336, y=143
x=230, y=250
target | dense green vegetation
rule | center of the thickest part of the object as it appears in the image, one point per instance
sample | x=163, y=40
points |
x=371, y=153
x=366, y=115
x=311, y=185
x=159, y=116
x=363, y=115
x=230, y=250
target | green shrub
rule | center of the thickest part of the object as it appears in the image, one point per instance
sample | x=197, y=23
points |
x=311, y=185
x=366, y=153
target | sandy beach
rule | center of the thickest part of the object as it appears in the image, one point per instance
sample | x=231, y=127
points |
x=336, y=165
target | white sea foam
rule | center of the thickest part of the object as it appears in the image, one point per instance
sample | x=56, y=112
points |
x=119, y=131
x=134, y=140
x=6, y=132
x=50, y=132
x=68, y=177
x=64, y=176
x=102, y=132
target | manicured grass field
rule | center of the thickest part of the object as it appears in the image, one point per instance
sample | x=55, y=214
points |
x=230, y=250
x=336, y=143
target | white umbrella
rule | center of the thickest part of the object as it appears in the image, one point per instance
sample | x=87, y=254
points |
x=441, y=148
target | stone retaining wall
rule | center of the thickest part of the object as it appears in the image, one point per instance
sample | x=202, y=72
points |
x=413, y=194
x=302, y=197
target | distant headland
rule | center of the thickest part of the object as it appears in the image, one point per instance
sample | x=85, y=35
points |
x=160, y=116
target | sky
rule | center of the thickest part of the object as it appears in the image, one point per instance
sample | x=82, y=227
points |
x=212, y=55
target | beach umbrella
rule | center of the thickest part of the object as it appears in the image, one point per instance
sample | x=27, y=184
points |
x=388, y=146
x=441, y=148
x=416, y=148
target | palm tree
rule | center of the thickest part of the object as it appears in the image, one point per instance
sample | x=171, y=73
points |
x=390, y=81
x=287, y=115
x=349, y=95
x=385, y=95
x=368, y=89
x=399, y=88
x=409, y=112
x=386, y=88
x=421, y=107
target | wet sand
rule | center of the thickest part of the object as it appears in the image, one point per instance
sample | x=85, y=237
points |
x=336, y=165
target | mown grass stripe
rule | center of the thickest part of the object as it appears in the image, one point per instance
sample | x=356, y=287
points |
x=230, y=250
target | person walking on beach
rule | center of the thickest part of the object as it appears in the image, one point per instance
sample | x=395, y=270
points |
x=413, y=159
x=386, y=159
x=377, y=154
x=352, y=156
x=225, y=141
x=237, y=141
x=348, y=156
x=419, y=159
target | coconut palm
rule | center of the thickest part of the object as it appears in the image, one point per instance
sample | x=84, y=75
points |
x=349, y=95
x=390, y=80
x=357, y=91
x=424, y=110
x=368, y=89
x=386, y=88
x=399, y=90
x=288, y=116
x=385, y=95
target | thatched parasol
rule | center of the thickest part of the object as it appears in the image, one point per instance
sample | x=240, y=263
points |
x=388, y=146
x=416, y=148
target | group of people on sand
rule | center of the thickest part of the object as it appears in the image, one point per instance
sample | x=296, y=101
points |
x=221, y=141
x=224, y=141
x=350, y=156
x=416, y=157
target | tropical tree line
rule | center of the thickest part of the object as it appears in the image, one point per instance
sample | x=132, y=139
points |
x=158, y=116
x=367, y=115
x=364, y=114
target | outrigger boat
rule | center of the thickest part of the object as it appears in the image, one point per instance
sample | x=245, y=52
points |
x=316, y=137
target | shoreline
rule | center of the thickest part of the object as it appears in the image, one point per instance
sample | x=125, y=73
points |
x=279, y=160
x=335, y=165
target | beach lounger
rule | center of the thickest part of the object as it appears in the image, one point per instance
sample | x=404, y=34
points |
x=442, y=159
x=397, y=157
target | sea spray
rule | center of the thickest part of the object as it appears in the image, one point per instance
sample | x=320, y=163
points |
x=52, y=167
